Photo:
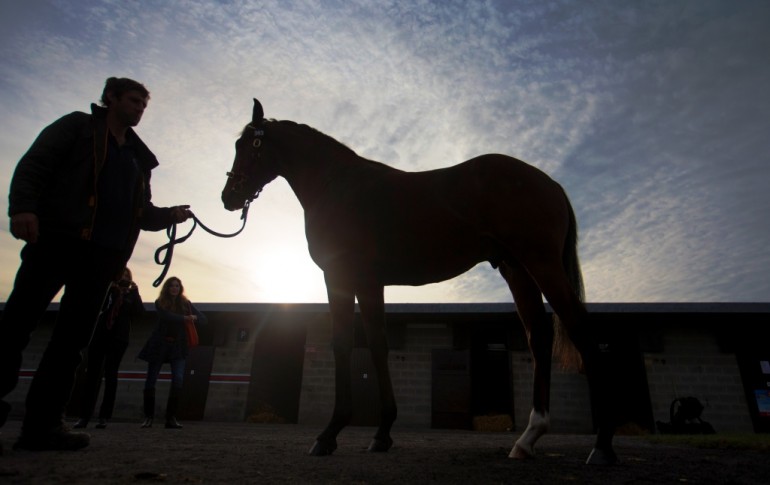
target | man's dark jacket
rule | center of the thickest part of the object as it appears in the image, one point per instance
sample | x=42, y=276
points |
x=57, y=179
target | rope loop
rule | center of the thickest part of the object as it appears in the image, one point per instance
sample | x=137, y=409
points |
x=164, y=253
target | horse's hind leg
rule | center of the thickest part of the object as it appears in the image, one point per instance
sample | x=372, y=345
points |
x=341, y=307
x=597, y=360
x=372, y=305
x=539, y=329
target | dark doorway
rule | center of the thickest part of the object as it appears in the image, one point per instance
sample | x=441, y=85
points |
x=276, y=372
x=626, y=370
x=492, y=382
x=475, y=378
x=195, y=388
x=754, y=365
x=451, y=389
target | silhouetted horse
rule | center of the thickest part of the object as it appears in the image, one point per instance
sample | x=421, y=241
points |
x=369, y=225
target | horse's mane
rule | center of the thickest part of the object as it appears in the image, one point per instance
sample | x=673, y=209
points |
x=308, y=131
x=312, y=132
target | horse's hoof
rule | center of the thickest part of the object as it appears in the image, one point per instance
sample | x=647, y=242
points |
x=521, y=453
x=379, y=445
x=600, y=456
x=323, y=448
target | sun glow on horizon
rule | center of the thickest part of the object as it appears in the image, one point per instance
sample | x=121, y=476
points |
x=291, y=277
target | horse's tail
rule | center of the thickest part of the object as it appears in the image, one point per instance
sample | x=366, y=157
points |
x=564, y=348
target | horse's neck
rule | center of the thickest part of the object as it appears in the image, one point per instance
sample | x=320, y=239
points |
x=311, y=161
x=311, y=178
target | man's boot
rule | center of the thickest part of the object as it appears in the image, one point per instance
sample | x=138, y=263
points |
x=149, y=407
x=57, y=438
x=171, y=407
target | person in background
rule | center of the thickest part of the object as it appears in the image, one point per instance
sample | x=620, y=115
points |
x=78, y=198
x=107, y=347
x=169, y=342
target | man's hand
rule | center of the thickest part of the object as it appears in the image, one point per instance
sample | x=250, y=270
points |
x=25, y=226
x=180, y=213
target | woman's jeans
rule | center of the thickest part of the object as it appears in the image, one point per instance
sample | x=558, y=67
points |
x=177, y=374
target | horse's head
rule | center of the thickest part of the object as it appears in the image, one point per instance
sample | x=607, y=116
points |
x=252, y=169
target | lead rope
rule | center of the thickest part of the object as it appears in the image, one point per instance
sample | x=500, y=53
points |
x=164, y=253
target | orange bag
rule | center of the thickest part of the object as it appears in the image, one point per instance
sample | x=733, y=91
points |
x=192, y=332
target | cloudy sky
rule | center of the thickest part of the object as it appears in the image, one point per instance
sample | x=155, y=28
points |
x=654, y=115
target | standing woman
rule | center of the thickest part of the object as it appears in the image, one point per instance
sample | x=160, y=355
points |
x=107, y=347
x=169, y=343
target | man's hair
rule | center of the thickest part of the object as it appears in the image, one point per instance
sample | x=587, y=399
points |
x=117, y=86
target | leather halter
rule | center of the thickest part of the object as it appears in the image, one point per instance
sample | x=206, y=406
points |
x=240, y=178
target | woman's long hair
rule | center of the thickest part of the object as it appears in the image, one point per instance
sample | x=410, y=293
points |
x=167, y=301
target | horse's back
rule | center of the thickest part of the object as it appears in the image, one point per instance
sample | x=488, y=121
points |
x=509, y=198
x=422, y=227
x=494, y=168
x=487, y=188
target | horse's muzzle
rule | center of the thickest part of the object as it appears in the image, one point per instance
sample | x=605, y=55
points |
x=231, y=202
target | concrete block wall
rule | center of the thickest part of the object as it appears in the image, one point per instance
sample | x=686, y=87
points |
x=227, y=399
x=570, y=400
x=410, y=369
x=128, y=404
x=690, y=363
x=693, y=365
x=316, y=401
x=129, y=400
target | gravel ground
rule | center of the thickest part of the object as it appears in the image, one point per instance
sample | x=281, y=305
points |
x=206, y=452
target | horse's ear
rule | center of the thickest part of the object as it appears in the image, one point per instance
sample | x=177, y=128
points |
x=258, y=115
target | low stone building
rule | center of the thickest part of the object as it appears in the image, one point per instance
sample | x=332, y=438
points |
x=451, y=363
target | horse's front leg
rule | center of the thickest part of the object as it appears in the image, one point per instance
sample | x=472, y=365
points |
x=341, y=307
x=372, y=305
